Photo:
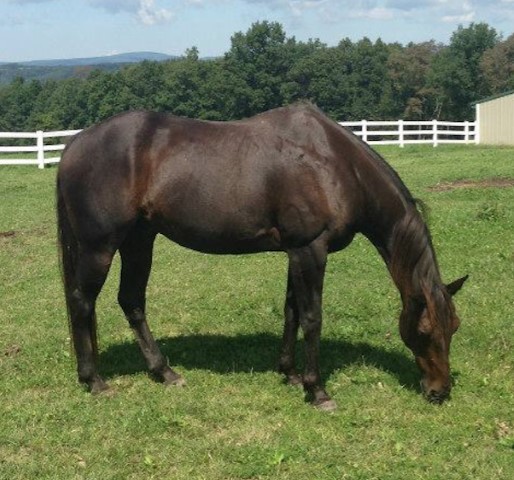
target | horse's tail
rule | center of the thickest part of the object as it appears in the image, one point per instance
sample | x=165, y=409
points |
x=68, y=259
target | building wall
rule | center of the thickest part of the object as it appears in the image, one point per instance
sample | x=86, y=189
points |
x=496, y=121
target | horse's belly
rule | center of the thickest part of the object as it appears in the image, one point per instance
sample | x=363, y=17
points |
x=222, y=241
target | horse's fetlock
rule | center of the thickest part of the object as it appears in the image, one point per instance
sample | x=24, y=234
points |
x=310, y=381
x=86, y=374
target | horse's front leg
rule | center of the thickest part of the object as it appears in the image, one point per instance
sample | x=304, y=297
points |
x=286, y=363
x=307, y=271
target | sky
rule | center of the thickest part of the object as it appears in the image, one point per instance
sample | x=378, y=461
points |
x=51, y=29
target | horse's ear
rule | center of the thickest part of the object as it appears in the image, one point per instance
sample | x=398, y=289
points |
x=455, y=286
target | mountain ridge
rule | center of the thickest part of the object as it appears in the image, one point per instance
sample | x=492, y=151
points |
x=58, y=69
x=129, y=57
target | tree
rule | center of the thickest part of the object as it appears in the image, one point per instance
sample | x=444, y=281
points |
x=408, y=69
x=60, y=105
x=261, y=59
x=318, y=74
x=142, y=84
x=107, y=94
x=16, y=103
x=497, y=66
x=370, y=87
x=456, y=75
x=264, y=69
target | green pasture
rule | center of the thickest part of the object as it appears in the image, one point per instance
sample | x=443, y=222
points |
x=219, y=321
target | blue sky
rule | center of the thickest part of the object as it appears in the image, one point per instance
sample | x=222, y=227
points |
x=49, y=29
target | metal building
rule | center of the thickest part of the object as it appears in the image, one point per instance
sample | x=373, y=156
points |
x=495, y=119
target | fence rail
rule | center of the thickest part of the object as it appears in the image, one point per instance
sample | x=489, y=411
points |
x=400, y=132
x=404, y=132
x=38, y=147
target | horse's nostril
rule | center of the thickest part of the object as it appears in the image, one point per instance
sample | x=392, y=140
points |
x=437, y=396
x=434, y=397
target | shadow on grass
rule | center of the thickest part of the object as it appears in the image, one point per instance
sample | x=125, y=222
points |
x=255, y=353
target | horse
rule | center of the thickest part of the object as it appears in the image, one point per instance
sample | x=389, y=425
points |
x=290, y=180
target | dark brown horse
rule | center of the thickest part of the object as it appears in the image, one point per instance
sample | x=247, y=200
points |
x=287, y=180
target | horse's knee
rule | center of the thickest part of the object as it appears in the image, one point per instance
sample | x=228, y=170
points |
x=82, y=307
x=311, y=324
x=135, y=314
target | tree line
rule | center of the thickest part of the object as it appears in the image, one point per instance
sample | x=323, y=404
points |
x=264, y=68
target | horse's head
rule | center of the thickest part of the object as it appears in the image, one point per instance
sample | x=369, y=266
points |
x=427, y=324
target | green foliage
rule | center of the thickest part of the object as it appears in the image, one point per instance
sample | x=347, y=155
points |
x=456, y=73
x=264, y=68
x=261, y=59
x=408, y=70
x=219, y=320
x=497, y=65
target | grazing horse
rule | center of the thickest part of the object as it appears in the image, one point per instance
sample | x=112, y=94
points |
x=289, y=180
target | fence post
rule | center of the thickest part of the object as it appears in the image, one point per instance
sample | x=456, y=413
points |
x=401, y=137
x=434, y=132
x=40, y=149
x=466, y=132
x=365, y=131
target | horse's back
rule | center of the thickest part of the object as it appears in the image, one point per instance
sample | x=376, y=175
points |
x=256, y=184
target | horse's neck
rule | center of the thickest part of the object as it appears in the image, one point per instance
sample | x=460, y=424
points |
x=393, y=224
x=411, y=257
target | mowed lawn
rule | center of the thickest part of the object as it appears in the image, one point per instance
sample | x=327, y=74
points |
x=219, y=321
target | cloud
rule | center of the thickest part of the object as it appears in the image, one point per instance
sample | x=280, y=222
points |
x=145, y=11
x=443, y=11
x=22, y=2
x=458, y=11
x=115, y=6
x=148, y=14
x=154, y=12
x=463, y=18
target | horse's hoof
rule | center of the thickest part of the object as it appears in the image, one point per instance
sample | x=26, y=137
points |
x=179, y=382
x=170, y=378
x=174, y=380
x=99, y=388
x=326, y=405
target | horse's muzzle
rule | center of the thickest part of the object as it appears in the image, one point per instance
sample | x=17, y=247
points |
x=435, y=396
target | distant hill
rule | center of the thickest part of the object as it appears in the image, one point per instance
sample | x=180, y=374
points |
x=73, y=67
x=133, y=57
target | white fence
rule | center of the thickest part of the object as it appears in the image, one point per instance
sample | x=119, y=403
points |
x=400, y=132
x=403, y=132
x=38, y=147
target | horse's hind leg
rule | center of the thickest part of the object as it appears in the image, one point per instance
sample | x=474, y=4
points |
x=92, y=268
x=136, y=262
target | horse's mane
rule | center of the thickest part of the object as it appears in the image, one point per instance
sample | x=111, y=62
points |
x=410, y=245
x=412, y=252
x=394, y=177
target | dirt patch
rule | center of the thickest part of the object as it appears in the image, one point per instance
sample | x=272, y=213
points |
x=498, y=182
x=12, y=351
x=9, y=233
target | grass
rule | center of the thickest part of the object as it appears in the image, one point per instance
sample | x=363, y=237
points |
x=218, y=319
